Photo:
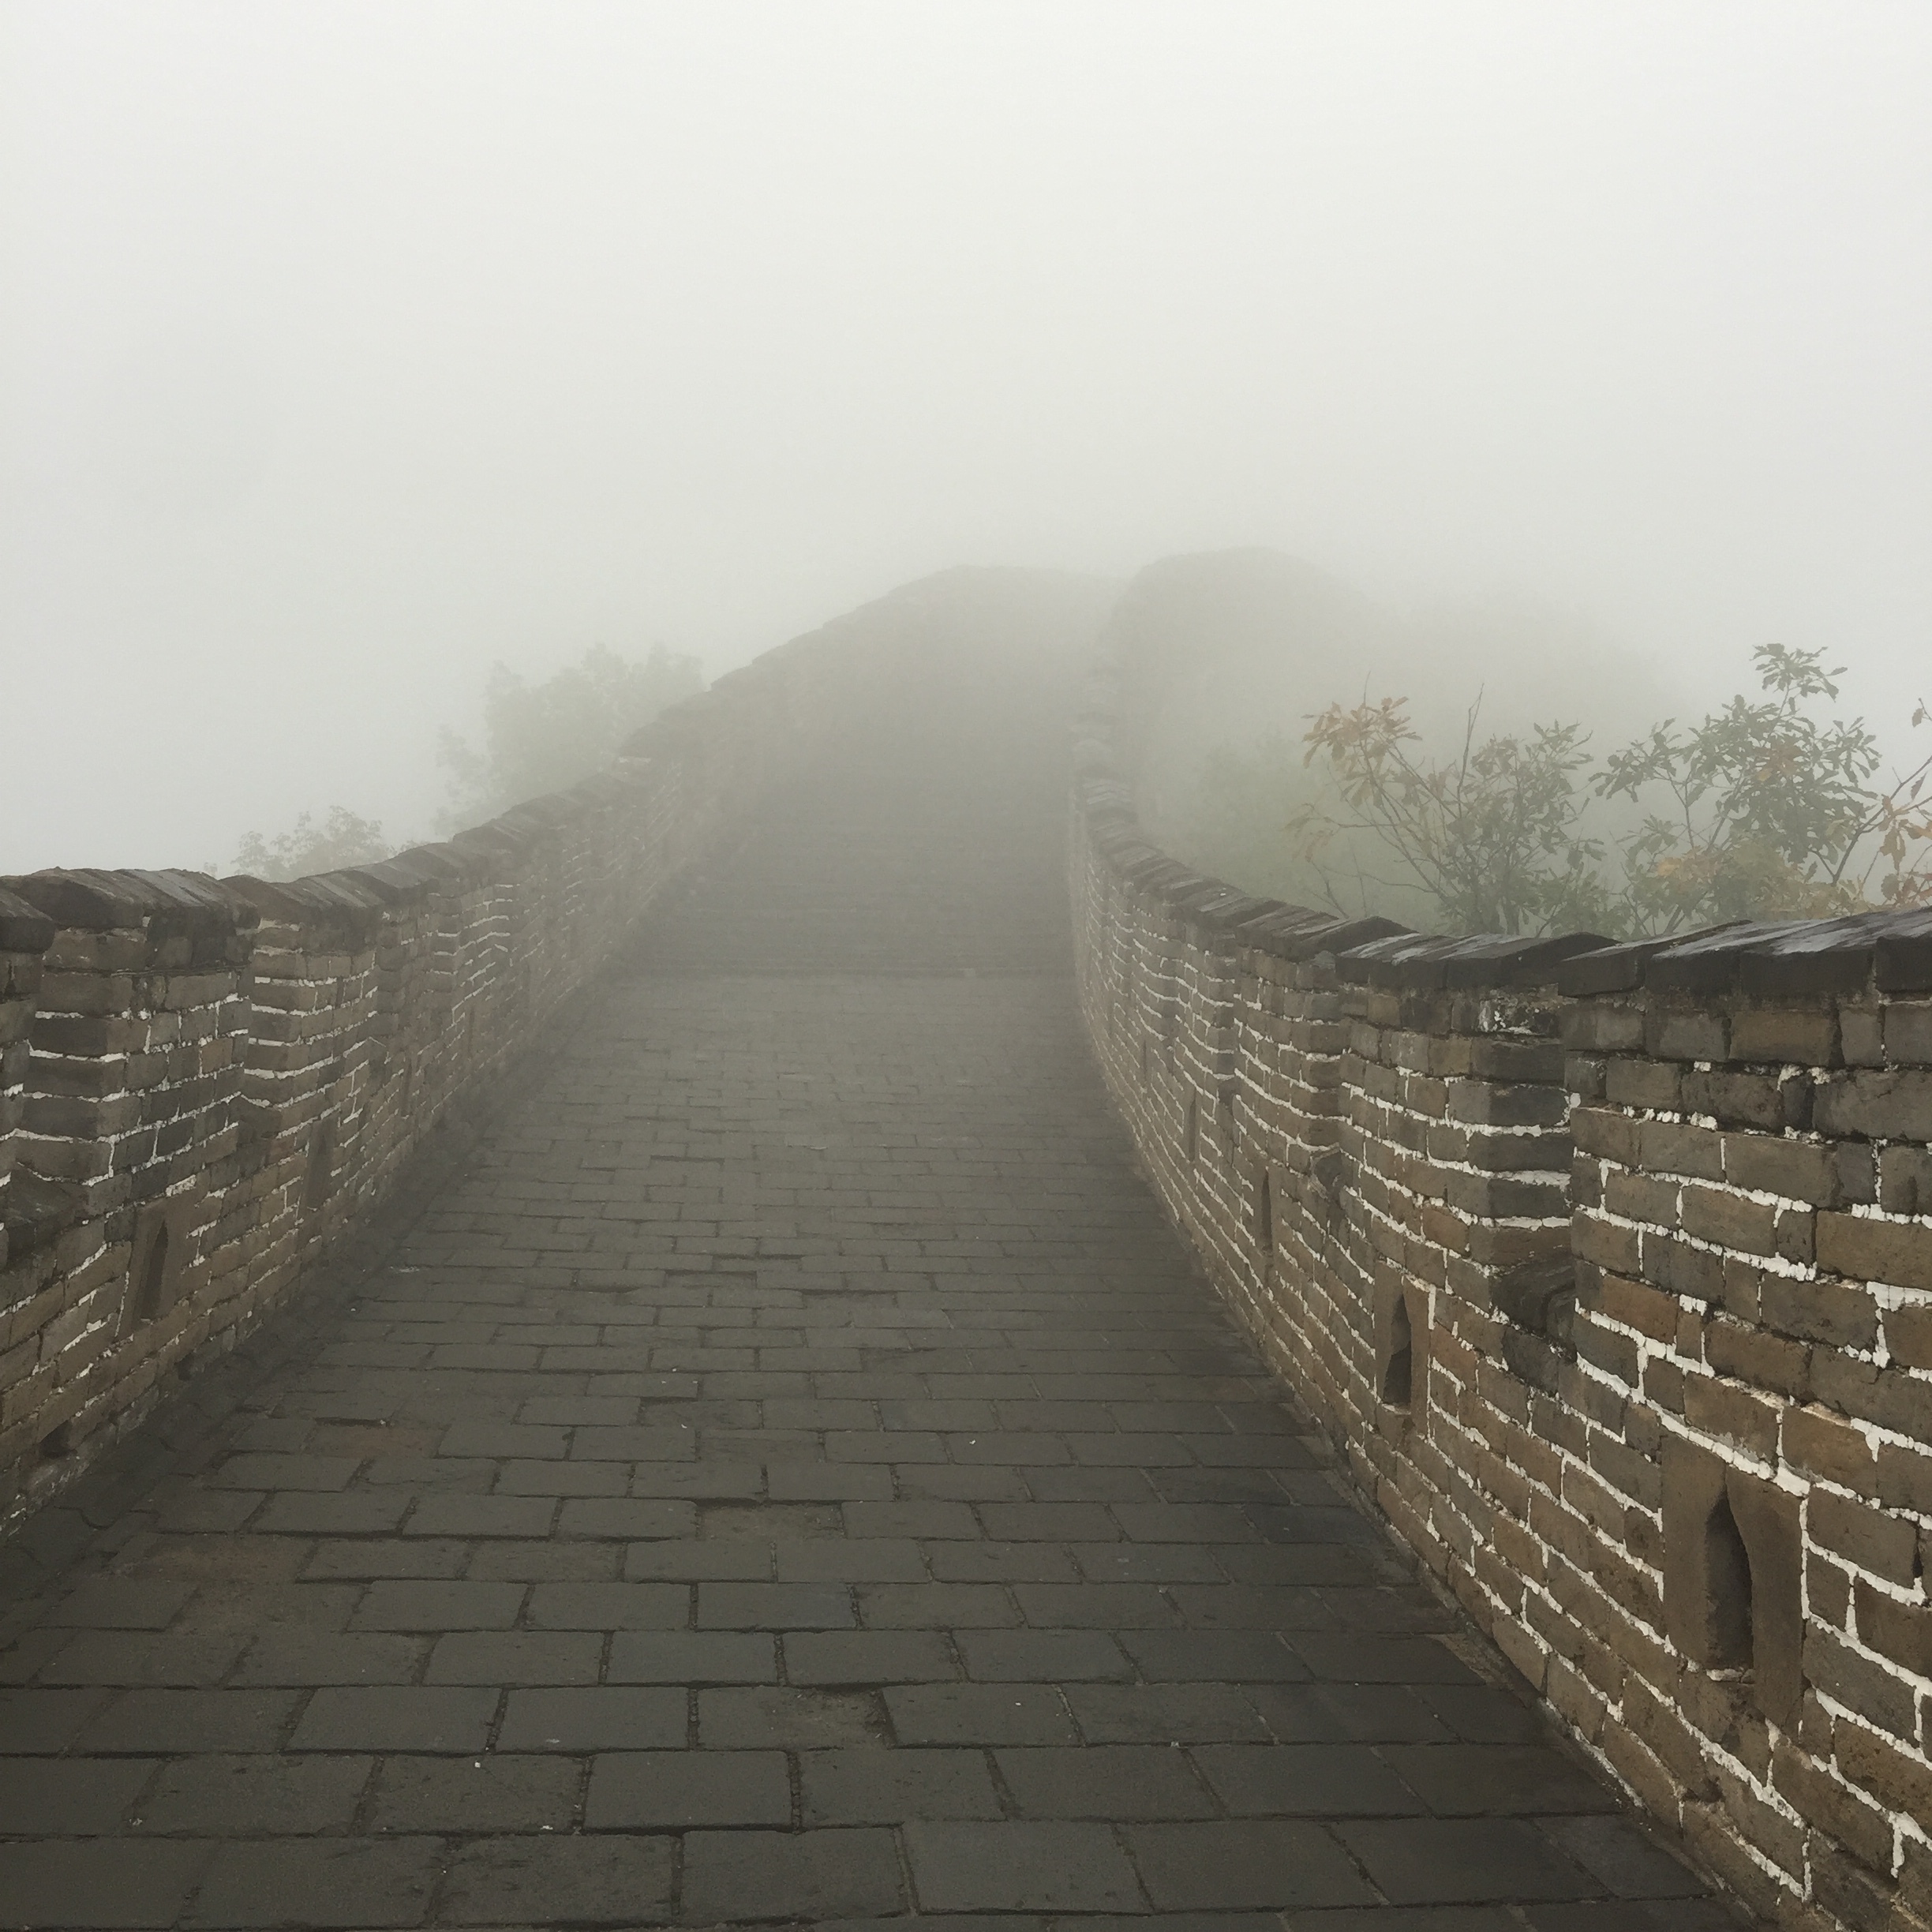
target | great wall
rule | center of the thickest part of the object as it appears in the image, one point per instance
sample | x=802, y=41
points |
x=1603, y=1272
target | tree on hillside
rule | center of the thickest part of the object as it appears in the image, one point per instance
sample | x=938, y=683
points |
x=539, y=737
x=1762, y=811
x=342, y=839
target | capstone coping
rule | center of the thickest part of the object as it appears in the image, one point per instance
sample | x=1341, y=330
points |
x=24, y=927
x=96, y=900
x=328, y=906
x=1769, y=958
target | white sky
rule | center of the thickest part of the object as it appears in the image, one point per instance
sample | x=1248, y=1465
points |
x=346, y=348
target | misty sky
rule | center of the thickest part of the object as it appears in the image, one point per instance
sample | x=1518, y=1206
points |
x=346, y=348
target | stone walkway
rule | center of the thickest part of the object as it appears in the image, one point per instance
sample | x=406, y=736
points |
x=790, y=1474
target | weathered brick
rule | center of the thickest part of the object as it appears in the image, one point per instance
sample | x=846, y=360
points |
x=1861, y=1038
x=1767, y=1361
x=1616, y=1354
x=1844, y=1315
x=1828, y=1592
x=1685, y=1033
x=1899, y=1782
x=1489, y=1103
x=1728, y=1220
x=1675, y=1266
x=1640, y=1768
x=1908, y=1335
x=1795, y=1236
x=1893, y=1105
x=1736, y=1414
x=1632, y=1473
x=1889, y=1397
x=1905, y=1181
x=1820, y=1443
x=1664, y=1382
x=1903, y=1477
x=1602, y=1026
x=1642, y=1197
x=1606, y=1133
x=1736, y=1099
x=1637, y=1306
x=1657, y=1084
x=1866, y=1249
x=1798, y=1035
x=1902, y=1631
x=1671, y=1147
x=1797, y=1170
x=1584, y=1077
x=1538, y=1062
x=1908, y=1032
x=1608, y=1244
x=1849, y=1816
x=1856, y=1681
x=1498, y=1197
x=1887, y=1545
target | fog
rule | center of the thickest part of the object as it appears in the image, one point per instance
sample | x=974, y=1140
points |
x=347, y=349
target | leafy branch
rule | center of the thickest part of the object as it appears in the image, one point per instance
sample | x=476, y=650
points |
x=1766, y=811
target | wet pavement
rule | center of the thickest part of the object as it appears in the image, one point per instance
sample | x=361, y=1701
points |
x=787, y=1471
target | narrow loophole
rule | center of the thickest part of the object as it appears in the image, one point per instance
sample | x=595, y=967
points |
x=316, y=1181
x=153, y=1277
x=1264, y=1213
x=1396, y=1378
x=1727, y=1571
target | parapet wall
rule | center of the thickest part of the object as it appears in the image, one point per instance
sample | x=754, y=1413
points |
x=1608, y=1268
x=205, y=1086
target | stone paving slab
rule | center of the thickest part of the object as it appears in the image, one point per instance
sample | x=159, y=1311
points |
x=790, y=1475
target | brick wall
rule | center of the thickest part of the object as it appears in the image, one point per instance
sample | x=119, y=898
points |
x=205, y=1086
x=1608, y=1269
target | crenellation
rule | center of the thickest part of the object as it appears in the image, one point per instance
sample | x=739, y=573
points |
x=206, y=1086
x=1594, y=1213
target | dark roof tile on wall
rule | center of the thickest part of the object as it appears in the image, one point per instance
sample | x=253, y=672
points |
x=1765, y=959
x=91, y=899
x=23, y=928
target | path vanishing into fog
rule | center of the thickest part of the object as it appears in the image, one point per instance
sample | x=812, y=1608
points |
x=790, y=1473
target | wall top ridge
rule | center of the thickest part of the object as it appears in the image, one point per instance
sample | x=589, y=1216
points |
x=1607, y=1267
x=350, y=904
x=351, y=899
x=207, y=1085
x=1299, y=932
x=24, y=927
x=1426, y=962
x=1890, y=951
x=33, y=907
x=92, y=899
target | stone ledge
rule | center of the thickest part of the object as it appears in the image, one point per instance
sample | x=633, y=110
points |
x=1890, y=951
x=23, y=928
x=87, y=899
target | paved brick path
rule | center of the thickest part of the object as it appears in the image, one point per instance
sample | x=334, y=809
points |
x=789, y=1474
